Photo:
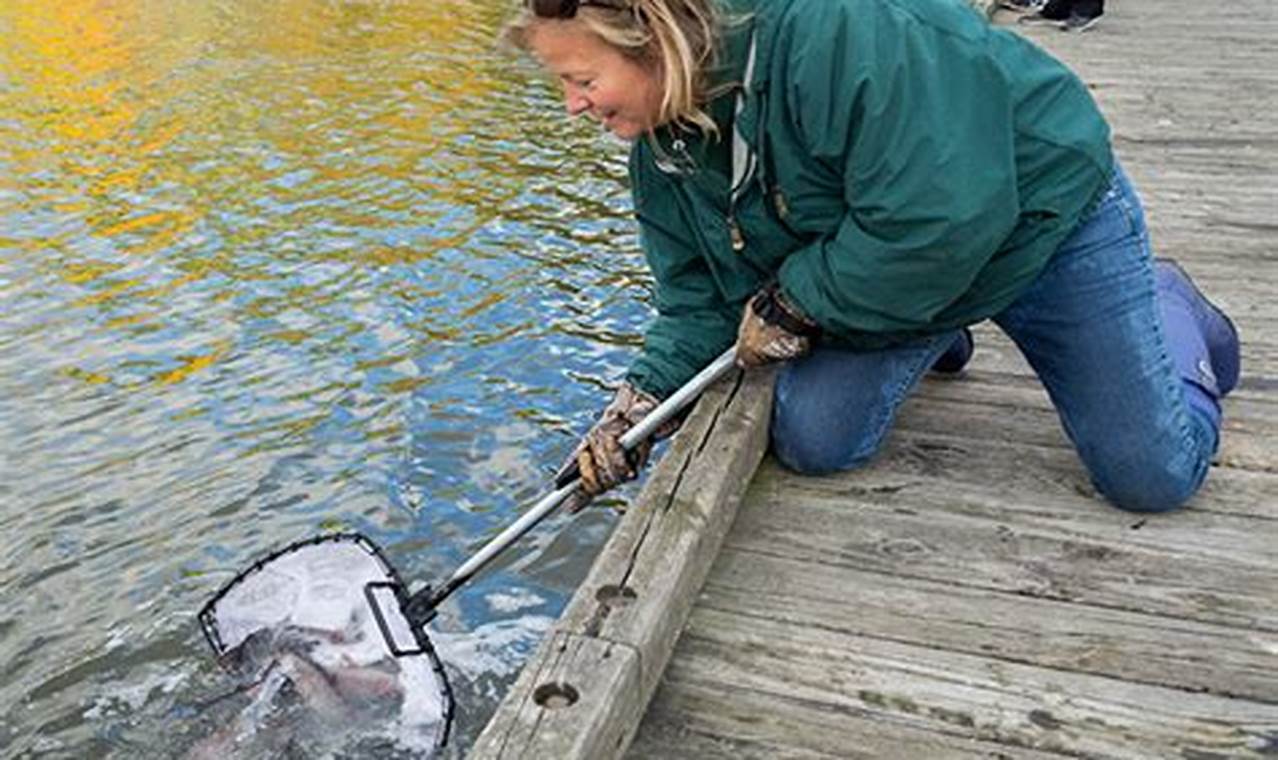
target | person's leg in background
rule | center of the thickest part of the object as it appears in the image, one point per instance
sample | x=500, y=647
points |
x=1056, y=10
x=1088, y=8
x=1084, y=15
x=1122, y=351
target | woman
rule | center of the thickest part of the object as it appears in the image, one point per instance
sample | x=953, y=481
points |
x=844, y=186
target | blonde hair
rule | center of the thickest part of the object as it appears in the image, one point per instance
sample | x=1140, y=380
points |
x=677, y=38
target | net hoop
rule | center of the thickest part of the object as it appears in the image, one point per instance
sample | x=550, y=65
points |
x=424, y=647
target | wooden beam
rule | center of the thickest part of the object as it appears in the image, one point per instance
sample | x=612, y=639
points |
x=585, y=689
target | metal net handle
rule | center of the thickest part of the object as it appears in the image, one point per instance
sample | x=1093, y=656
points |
x=640, y=432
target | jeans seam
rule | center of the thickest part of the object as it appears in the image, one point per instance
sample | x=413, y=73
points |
x=1164, y=354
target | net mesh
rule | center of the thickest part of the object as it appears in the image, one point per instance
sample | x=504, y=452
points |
x=302, y=619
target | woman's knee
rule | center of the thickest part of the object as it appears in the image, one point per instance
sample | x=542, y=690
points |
x=809, y=444
x=1142, y=484
x=807, y=456
x=832, y=408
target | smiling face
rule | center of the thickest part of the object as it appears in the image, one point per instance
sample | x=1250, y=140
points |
x=598, y=80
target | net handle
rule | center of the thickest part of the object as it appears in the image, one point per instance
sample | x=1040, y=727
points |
x=421, y=606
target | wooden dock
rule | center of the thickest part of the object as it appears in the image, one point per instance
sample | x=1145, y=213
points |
x=968, y=595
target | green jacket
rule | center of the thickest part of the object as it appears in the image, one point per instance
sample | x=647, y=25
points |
x=912, y=169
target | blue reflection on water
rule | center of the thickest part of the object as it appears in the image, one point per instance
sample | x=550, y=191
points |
x=272, y=269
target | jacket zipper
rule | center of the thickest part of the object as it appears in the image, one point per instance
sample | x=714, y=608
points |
x=734, y=231
x=743, y=159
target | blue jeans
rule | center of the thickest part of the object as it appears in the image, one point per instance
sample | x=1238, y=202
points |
x=1089, y=327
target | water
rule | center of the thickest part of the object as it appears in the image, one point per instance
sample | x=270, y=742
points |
x=271, y=268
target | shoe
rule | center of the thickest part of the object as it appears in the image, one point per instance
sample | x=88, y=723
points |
x=956, y=356
x=1021, y=6
x=1190, y=320
x=1051, y=10
x=1038, y=19
x=1077, y=22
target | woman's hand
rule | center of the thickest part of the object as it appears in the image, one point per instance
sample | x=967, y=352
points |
x=602, y=462
x=773, y=330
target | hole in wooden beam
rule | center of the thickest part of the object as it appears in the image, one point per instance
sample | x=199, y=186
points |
x=553, y=696
x=615, y=596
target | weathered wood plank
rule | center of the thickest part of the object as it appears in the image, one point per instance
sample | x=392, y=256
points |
x=1259, y=381
x=994, y=536
x=979, y=407
x=1061, y=483
x=813, y=668
x=1232, y=278
x=1259, y=359
x=993, y=406
x=701, y=718
x=636, y=597
x=1149, y=649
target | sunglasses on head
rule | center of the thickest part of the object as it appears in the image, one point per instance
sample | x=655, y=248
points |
x=565, y=9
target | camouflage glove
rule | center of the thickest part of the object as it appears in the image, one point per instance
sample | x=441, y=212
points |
x=773, y=330
x=601, y=461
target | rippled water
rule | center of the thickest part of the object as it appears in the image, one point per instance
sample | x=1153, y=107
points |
x=269, y=268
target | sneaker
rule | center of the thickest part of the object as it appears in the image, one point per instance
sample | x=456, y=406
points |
x=1056, y=10
x=1052, y=13
x=1021, y=6
x=1077, y=22
x=1038, y=19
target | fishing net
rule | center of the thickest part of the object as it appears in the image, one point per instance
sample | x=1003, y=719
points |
x=322, y=622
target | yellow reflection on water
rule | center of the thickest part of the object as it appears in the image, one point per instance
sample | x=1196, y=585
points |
x=67, y=53
x=158, y=146
x=192, y=364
